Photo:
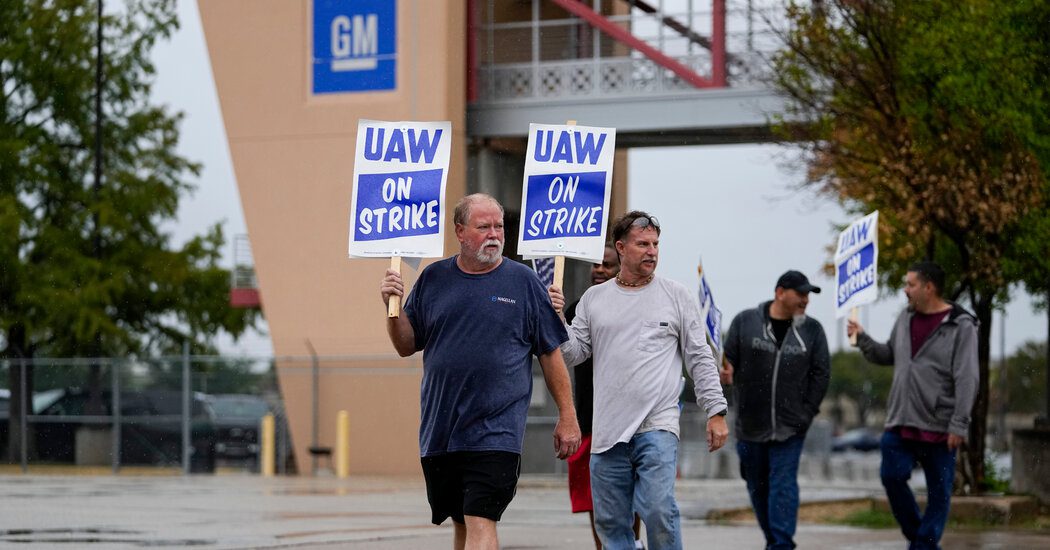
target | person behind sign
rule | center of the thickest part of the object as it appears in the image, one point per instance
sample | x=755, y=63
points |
x=640, y=329
x=580, y=462
x=933, y=350
x=479, y=318
x=776, y=359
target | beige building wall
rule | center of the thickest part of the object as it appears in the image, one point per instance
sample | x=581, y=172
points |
x=293, y=157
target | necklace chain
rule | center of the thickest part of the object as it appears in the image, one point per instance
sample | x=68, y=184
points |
x=647, y=280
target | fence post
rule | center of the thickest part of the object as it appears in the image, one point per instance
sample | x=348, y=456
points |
x=23, y=437
x=186, y=446
x=315, y=370
x=115, y=381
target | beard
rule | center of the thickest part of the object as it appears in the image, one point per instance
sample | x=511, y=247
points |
x=486, y=257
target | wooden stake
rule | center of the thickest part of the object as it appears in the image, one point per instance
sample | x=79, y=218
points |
x=393, y=310
x=559, y=270
x=853, y=317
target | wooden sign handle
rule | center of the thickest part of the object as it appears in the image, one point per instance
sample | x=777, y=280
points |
x=393, y=310
x=559, y=270
x=853, y=317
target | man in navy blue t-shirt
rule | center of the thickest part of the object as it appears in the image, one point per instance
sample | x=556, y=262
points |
x=479, y=318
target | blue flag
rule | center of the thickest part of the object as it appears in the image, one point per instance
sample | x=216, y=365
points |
x=712, y=315
x=544, y=270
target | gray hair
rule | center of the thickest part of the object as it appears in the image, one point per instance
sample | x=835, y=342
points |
x=461, y=214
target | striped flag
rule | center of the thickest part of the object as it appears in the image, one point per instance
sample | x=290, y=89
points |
x=544, y=270
x=711, y=314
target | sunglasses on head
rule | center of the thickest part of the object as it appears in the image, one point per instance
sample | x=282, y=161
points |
x=646, y=221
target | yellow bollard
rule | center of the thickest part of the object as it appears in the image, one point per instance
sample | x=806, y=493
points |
x=342, y=444
x=266, y=446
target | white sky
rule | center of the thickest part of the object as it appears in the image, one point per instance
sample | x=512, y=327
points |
x=733, y=205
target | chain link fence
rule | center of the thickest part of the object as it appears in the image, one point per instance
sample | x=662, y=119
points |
x=194, y=413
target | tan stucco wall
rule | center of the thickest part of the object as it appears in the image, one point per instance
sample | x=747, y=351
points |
x=293, y=159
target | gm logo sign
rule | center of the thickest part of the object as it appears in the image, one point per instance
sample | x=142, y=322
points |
x=355, y=46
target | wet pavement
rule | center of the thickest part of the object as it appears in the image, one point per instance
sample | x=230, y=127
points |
x=387, y=513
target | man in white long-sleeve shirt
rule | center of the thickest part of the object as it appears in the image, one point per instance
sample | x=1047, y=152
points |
x=640, y=330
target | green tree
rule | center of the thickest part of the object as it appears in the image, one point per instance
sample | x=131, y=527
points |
x=865, y=384
x=88, y=268
x=231, y=375
x=934, y=113
x=1025, y=380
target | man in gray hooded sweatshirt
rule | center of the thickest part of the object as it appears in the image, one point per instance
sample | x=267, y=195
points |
x=933, y=350
x=777, y=360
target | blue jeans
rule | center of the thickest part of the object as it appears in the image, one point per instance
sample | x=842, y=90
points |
x=637, y=476
x=771, y=471
x=899, y=456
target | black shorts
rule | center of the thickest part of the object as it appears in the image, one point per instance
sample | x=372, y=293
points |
x=472, y=483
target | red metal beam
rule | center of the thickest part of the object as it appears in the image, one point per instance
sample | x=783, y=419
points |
x=472, y=52
x=617, y=33
x=718, y=39
x=245, y=298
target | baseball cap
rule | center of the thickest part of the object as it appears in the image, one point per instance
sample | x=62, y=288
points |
x=795, y=280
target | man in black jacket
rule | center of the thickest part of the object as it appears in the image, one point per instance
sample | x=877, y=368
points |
x=777, y=360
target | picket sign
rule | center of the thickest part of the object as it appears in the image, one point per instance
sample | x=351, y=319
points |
x=856, y=267
x=397, y=205
x=566, y=190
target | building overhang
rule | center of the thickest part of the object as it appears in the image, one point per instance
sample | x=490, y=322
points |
x=699, y=117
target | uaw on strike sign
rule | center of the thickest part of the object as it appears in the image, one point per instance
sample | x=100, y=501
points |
x=565, y=192
x=856, y=261
x=400, y=170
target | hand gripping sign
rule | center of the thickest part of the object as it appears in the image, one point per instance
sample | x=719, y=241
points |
x=565, y=192
x=397, y=209
x=856, y=266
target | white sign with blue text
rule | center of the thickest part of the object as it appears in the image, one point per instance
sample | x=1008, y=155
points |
x=565, y=192
x=856, y=265
x=400, y=170
x=354, y=46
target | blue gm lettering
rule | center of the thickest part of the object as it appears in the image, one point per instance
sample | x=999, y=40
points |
x=355, y=45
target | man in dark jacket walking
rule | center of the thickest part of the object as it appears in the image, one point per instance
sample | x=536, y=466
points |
x=933, y=350
x=777, y=360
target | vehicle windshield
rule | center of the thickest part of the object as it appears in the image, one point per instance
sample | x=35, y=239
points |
x=252, y=408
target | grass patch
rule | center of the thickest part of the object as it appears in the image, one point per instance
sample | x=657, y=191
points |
x=870, y=519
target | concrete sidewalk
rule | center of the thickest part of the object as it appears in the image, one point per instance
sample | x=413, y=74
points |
x=369, y=512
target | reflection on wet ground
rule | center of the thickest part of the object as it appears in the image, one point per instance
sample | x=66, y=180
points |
x=69, y=537
x=382, y=513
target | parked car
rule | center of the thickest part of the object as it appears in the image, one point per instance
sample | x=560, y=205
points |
x=150, y=428
x=860, y=439
x=237, y=419
x=40, y=400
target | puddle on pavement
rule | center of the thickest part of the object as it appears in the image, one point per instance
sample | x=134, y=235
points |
x=91, y=536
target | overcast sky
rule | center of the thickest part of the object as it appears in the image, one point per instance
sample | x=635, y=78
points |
x=733, y=205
